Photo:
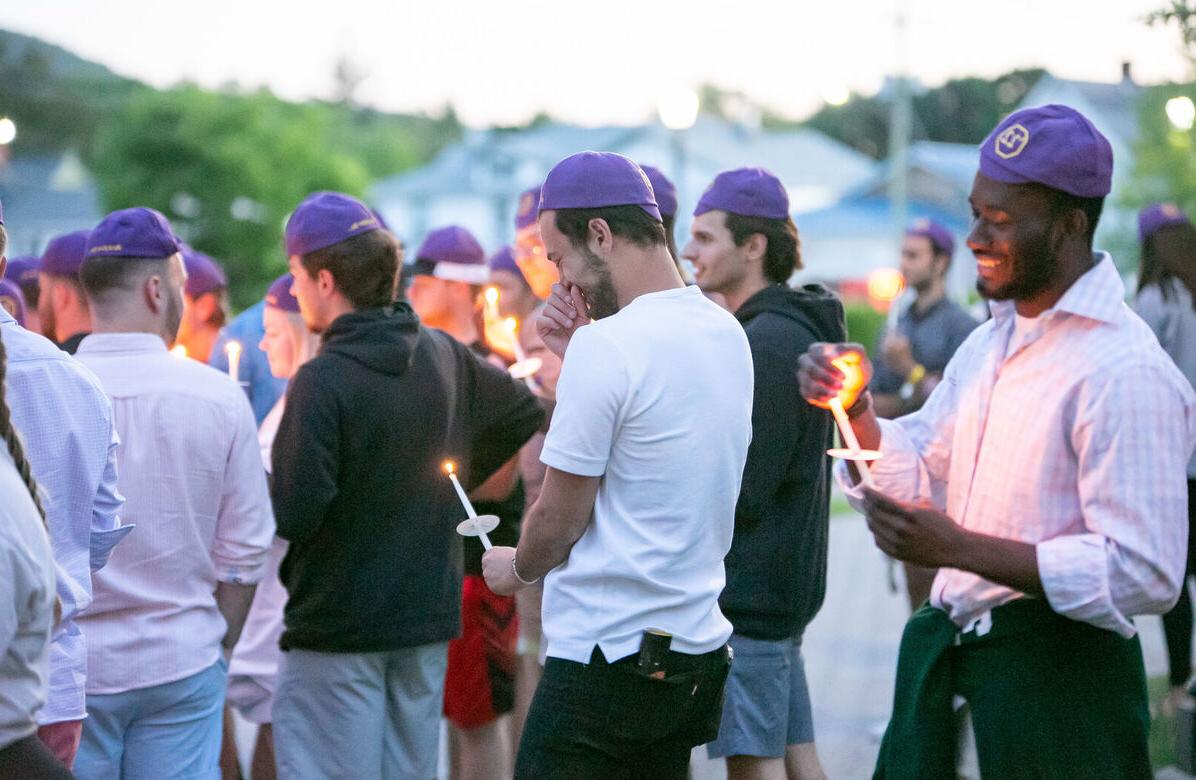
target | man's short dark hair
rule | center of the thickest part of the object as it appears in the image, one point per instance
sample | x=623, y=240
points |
x=99, y=276
x=631, y=223
x=363, y=267
x=1062, y=202
x=782, y=256
x=670, y=221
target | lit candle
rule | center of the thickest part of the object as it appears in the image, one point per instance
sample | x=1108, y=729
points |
x=849, y=438
x=233, y=350
x=451, y=468
x=491, y=296
x=179, y=351
x=513, y=326
x=853, y=384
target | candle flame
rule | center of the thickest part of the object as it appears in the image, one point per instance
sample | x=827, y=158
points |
x=450, y=467
x=491, y=295
x=179, y=351
x=511, y=324
x=232, y=348
x=853, y=377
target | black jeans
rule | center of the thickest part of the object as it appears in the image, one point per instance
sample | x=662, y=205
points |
x=604, y=720
x=1177, y=624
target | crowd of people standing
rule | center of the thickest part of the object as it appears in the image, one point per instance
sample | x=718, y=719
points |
x=287, y=515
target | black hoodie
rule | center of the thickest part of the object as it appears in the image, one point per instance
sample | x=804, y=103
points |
x=374, y=562
x=776, y=569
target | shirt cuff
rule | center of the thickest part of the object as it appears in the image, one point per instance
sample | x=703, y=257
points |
x=1074, y=570
x=101, y=544
x=241, y=573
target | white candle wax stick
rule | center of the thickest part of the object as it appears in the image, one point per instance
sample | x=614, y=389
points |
x=849, y=438
x=470, y=510
x=461, y=495
x=520, y=355
x=234, y=361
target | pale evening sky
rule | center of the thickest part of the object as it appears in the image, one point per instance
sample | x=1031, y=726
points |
x=604, y=62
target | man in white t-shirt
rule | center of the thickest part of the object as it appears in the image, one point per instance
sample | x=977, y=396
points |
x=645, y=456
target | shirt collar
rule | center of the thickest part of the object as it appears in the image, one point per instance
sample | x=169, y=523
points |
x=1097, y=295
x=126, y=343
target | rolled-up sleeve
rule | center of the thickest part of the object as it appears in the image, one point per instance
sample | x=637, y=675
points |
x=245, y=527
x=1133, y=435
x=106, y=528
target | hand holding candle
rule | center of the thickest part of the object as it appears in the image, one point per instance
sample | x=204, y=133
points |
x=833, y=377
x=474, y=525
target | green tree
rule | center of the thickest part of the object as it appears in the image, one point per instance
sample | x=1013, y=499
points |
x=1181, y=13
x=226, y=169
x=1164, y=159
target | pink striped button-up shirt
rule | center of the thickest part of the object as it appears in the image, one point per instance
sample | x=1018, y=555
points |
x=1076, y=440
x=192, y=477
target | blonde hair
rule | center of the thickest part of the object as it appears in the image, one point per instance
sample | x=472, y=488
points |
x=305, y=344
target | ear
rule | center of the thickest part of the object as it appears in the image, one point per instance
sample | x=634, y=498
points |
x=601, y=239
x=3, y=265
x=153, y=290
x=756, y=247
x=325, y=282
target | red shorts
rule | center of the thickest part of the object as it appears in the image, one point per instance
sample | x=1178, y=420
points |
x=480, y=683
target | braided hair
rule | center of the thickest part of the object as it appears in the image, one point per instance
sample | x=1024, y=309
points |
x=13, y=439
x=17, y=451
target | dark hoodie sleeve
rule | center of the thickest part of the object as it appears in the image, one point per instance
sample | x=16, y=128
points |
x=306, y=457
x=505, y=415
x=779, y=415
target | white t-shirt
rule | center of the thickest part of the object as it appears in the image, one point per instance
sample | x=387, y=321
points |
x=26, y=607
x=657, y=400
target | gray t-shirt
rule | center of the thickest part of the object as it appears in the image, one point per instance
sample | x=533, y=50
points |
x=933, y=336
x=1173, y=320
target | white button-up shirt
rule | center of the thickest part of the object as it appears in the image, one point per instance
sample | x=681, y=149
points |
x=194, y=486
x=1076, y=440
x=65, y=420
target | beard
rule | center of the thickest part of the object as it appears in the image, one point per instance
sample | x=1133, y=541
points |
x=1032, y=269
x=173, y=315
x=49, y=324
x=600, y=295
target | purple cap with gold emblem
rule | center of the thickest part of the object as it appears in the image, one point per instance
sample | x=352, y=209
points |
x=527, y=208
x=137, y=232
x=592, y=180
x=23, y=269
x=1157, y=216
x=1053, y=145
x=453, y=254
x=327, y=218
x=940, y=238
x=279, y=295
x=12, y=300
x=663, y=189
x=748, y=192
x=65, y=254
x=204, y=275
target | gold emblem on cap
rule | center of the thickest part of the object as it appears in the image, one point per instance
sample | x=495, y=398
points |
x=1170, y=210
x=525, y=204
x=1011, y=142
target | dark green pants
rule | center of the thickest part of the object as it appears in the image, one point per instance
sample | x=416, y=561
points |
x=1050, y=698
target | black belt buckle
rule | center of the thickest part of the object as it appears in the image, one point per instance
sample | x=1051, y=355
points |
x=654, y=652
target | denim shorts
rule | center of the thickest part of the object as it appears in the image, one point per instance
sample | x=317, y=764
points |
x=766, y=704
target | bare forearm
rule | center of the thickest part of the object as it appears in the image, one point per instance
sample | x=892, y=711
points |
x=542, y=547
x=233, y=600
x=867, y=430
x=1004, y=561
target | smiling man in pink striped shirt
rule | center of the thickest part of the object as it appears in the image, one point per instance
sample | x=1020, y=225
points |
x=1059, y=436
